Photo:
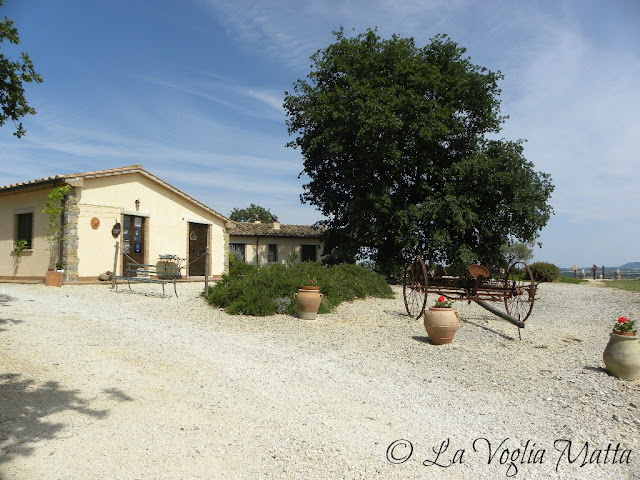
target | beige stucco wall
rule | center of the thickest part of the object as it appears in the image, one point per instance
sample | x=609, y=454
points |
x=167, y=216
x=34, y=262
x=286, y=245
x=109, y=198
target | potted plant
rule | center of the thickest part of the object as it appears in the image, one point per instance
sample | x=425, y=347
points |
x=441, y=321
x=55, y=278
x=308, y=298
x=624, y=326
x=622, y=354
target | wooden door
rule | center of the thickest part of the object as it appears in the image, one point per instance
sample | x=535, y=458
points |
x=132, y=242
x=198, y=241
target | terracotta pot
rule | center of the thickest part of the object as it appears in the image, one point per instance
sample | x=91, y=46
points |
x=309, y=299
x=441, y=324
x=54, y=278
x=628, y=334
x=622, y=356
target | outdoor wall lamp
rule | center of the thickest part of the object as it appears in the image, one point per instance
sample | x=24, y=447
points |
x=137, y=203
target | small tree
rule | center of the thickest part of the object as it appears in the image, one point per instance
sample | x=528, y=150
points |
x=251, y=213
x=13, y=75
x=53, y=208
x=517, y=252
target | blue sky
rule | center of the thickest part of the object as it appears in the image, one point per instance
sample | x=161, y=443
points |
x=193, y=91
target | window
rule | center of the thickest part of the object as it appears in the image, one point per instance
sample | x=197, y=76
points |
x=309, y=253
x=238, y=249
x=273, y=253
x=24, y=228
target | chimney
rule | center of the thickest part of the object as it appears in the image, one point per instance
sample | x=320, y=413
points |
x=276, y=225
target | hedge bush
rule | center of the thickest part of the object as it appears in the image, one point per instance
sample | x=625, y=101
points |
x=545, y=272
x=266, y=290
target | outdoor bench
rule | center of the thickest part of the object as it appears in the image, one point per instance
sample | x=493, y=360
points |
x=145, y=273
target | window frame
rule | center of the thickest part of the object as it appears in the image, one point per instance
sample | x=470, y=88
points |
x=235, y=250
x=308, y=247
x=272, y=253
x=17, y=233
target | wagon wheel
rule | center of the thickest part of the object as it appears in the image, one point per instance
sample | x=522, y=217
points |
x=520, y=291
x=414, y=287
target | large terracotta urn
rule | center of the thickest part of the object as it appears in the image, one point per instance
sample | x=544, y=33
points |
x=308, y=299
x=622, y=356
x=441, y=324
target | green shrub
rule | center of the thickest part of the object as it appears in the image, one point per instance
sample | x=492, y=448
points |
x=252, y=290
x=544, y=272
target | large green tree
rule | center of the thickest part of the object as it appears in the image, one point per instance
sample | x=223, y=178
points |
x=251, y=213
x=396, y=144
x=13, y=75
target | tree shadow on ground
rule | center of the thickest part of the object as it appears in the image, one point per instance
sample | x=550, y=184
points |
x=9, y=321
x=26, y=406
x=5, y=299
x=117, y=394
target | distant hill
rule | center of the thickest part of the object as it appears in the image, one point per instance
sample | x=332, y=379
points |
x=630, y=265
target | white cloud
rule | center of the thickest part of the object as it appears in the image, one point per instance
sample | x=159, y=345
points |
x=292, y=31
x=226, y=94
x=273, y=100
x=577, y=105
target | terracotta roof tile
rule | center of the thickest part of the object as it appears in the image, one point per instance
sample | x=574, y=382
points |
x=113, y=171
x=268, y=230
x=104, y=173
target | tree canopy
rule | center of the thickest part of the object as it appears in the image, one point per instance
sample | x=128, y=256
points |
x=251, y=213
x=13, y=75
x=396, y=141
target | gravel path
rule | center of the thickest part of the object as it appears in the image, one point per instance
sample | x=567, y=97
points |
x=96, y=384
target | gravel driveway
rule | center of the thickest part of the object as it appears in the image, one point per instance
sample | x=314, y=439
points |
x=97, y=384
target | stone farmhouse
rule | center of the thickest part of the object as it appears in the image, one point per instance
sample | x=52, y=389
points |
x=263, y=243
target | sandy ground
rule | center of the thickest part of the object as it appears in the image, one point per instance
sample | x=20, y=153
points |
x=97, y=384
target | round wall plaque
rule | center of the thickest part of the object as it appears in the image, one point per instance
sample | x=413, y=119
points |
x=115, y=231
x=95, y=223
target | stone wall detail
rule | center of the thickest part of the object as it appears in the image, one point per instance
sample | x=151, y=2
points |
x=226, y=250
x=70, y=235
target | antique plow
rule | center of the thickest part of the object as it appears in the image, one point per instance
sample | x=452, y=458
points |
x=516, y=290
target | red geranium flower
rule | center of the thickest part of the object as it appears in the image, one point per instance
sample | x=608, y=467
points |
x=442, y=302
x=624, y=325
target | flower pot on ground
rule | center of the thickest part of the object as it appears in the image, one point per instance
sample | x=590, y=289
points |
x=308, y=298
x=441, y=321
x=622, y=354
x=54, y=278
